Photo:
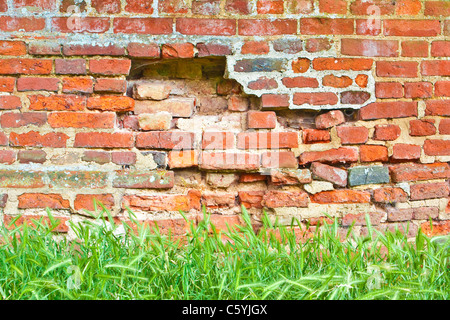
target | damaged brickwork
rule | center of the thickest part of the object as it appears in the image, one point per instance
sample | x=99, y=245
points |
x=296, y=108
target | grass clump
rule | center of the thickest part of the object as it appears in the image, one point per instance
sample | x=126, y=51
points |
x=208, y=264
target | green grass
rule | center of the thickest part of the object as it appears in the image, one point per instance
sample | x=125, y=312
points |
x=103, y=264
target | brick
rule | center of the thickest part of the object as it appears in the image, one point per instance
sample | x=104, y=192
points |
x=27, y=24
x=262, y=27
x=183, y=159
x=354, y=97
x=362, y=80
x=213, y=49
x=104, y=140
x=263, y=83
x=255, y=47
x=363, y=7
x=151, y=26
x=31, y=156
x=144, y=50
x=106, y=6
x=70, y=66
x=326, y=26
x=390, y=195
x=279, y=199
x=176, y=140
x=267, y=140
x=177, y=50
x=57, y=102
x=238, y=6
x=21, y=179
x=237, y=103
x=317, y=44
x=261, y=120
x=210, y=27
x=301, y=65
x=35, y=4
x=400, y=69
x=425, y=213
x=78, y=179
x=356, y=64
x=423, y=191
x=333, y=6
x=111, y=103
x=40, y=200
x=110, y=85
x=77, y=85
x=435, y=68
x=143, y=179
x=434, y=147
x=7, y=84
x=368, y=27
x=288, y=46
x=370, y=153
x=331, y=80
x=7, y=156
x=86, y=49
x=328, y=173
x=209, y=7
x=218, y=200
x=417, y=171
x=440, y=48
x=341, y=196
x=442, y=89
x=444, y=126
x=412, y=28
x=360, y=219
x=414, y=49
x=10, y=103
x=300, y=82
x=329, y=119
x=37, y=84
x=12, y=48
x=408, y=7
x=178, y=107
x=400, y=214
x=86, y=201
x=251, y=199
x=3, y=200
x=418, y=90
x=3, y=139
x=436, y=228
x=25, y=66
x=80, y=25
x=35, y=139
x=368, y=175
x=300, y=6
x=437, y=108
x=155, y=121
x=152, y=91
x=66, y=6
x=274, y=101
x=229, y=161
x=369, y=48
x=311, y=136
x=110, y=66
x=282, y=159
x=396, y=109
x=388, y=90
x=19, y=120
x=315, y=98
x=103, y=120
x=353, y=135
x=270, y=7
x=218, y=140
x=228, y=86
x=172, y=6
x=259, y=65
x=61, y=222
x=338, y=155
x=252, y=177
x=437, y=8
x=123, y=158
x=403, y=151
x=422, y=127
x=290, y=176
x=100, y=157
x=3, y=6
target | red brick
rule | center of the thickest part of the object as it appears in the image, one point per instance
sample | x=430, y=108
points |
x=423, y=191
x=284, y=177
x=80, y=25
x=326, y=26
x=57, y=102
x=363, y=7
x=371, y=153
x=317, y=44
x=207, y=27
x=274, y=101
x=329, y=119
x=183, y=159
x=152, y=26
x=434, y=147
x=3, y=6
x=3, y=139
x=368, y=27
x=360, y=219
x=139, y=6
x=86, y=201
x=237, y=6
x=40, y=200
x=176, y=140
x=32, y=156
x=444, y=126
x=301, y=65
x=263, y=83
x=315, y=98
x=282, y=159
x=177, y=50
x=173, y=6
x=255, y=47
x=338, y=155
x=400, y=69
x=300, y=82
x=333, y=6
x=400, y=214
x=105, y=120
x=72, y=49
x=408, y=7
x=251, y=199
x=418, y=90
x=100, y=157
x=390, y=195
x=435, y=68
x=70, y=66
x=107, y=6
x=36, y=4
x=353, y=135
x=388, y=90
x=7, y=156
x=436, y=228
x=311, y=136
x=23, y=119
x=442, y=89
x=396, y=109
x=341, y=196
x=110, y=85
x=425, y=213
x=252, y=177
x=267, y=140
x=12, y=24
x=402, y=151
x=77, y=85
x=237, y=103
x=300, y=6
x=437, y=108
x=218, y=140
x=357, y=64
x=416, y=171
x=229, y=161
x=213, y=49
x=422, y=127
x=369, y=48
x=61, y=222
x=37, y=84
x=362, y=80
x=25, y=66
x=104, y=140
x=7, y=84
x=136, y=49
x=111, y=103
x=123, y=158
x=262, y=120
x=412, y=28
x=437, y=8
x=279, y=199
x=10, y=102
x=216, y=200
x=208, y=7
x=110, y=66
x=261, y=27
x=12, y=48
x=328, y=173
x=414, y=49
x=270, y=7
x=331, y=80
x=35, y=139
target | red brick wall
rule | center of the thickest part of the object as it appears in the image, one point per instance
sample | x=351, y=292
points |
x=337, y=106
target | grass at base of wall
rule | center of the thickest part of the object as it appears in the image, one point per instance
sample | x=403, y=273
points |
x=208, y=264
